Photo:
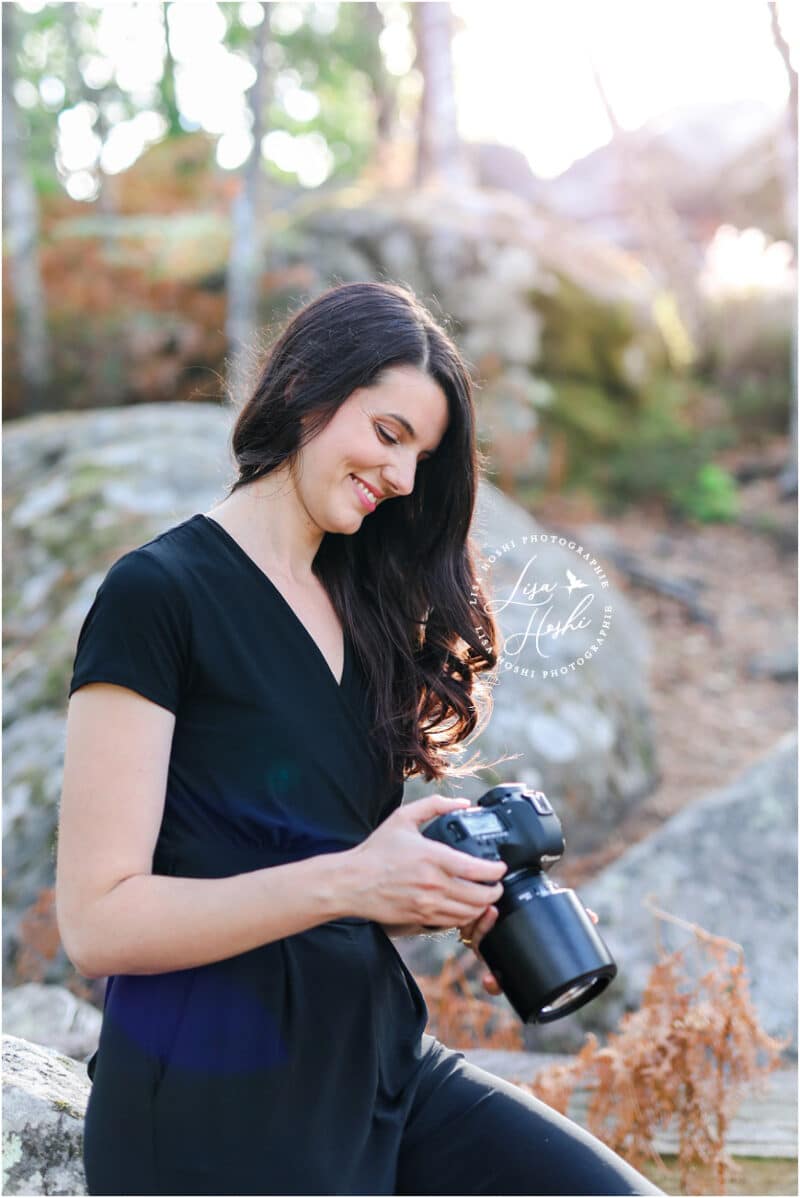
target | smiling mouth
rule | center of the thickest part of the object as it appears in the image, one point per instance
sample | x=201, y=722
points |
x=368, y=499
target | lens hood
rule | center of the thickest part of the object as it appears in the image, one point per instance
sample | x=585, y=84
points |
x=545, y=952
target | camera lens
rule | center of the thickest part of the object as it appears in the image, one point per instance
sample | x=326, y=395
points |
x=563, y=1000
x=545, y=952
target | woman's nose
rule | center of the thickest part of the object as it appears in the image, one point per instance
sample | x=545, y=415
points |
x=401, y=480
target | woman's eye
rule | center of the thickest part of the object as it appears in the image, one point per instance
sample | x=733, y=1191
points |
x=390, y=440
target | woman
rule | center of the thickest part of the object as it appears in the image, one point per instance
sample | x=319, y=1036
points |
x=250, y=689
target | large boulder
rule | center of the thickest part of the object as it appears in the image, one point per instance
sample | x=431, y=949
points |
x=488, y=257
x=44, y=1105
x=53, y=1016
x=579, y=717
x=563, y=329
x=106, y=481
x=111, y=479
x=728, y=863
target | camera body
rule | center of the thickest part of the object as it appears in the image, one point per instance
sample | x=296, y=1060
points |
x=543, y=949
x=510, y=823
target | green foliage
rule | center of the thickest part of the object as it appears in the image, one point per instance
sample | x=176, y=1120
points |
x=343, y=67
x=710, y=496
x=51, y=45
x=759, y=405
x=583, y=339
x=751, y=347
x=661, y=456
x=628, y=452
x=590, y=415
x=629, y=445
x=334, y=55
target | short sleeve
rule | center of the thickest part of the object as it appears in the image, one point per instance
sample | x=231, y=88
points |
x=136, y=633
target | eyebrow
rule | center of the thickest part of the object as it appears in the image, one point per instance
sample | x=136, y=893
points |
x=408, y=427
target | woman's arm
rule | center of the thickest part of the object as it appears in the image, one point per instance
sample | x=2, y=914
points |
x=116, y=916
x=149, y=923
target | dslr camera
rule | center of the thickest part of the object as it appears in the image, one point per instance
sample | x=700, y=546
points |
x=544, y=949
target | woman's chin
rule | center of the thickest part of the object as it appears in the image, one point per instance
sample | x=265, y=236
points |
x=346, y=522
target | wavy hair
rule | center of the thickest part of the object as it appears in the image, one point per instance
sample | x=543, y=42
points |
x=405, y=585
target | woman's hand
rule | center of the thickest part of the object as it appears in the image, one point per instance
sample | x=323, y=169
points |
x=472, y=934
x=397, y=876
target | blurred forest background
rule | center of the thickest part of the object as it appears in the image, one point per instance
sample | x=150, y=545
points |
x=165, y=165
x=600, y=203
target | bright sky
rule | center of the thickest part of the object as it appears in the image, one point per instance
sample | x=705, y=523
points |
x=522, y=75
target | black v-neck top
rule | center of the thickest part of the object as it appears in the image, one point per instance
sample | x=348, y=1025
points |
x=270, y=754
x=248, y=560
x=216, y=1071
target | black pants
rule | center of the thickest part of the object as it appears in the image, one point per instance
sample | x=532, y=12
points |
x=466, y=1132
x=473, y=1133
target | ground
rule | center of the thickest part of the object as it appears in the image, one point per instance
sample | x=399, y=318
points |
x=763, y=1175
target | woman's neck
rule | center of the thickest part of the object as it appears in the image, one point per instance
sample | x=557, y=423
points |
x=268, y=520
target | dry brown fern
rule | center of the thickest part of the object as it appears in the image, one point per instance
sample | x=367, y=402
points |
x=686, y=1055
x=459, y=1017
x=39, y=940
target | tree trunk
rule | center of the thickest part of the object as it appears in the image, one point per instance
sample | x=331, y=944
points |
x=168, y=97
x=384, y=93
x=788, y=481
x=245, y=261
x=21, y=220
x=440, y=152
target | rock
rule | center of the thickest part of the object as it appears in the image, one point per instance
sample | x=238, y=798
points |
x=780, y=664
x=508, y=418
x=44, y=1105
x=33, y=750
x=490, y=258
x=53, y=1016
x=584, y=731
x=727, y=862
x=58, y=552
x=112, y=480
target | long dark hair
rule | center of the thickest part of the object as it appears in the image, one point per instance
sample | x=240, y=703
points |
x=405, y=586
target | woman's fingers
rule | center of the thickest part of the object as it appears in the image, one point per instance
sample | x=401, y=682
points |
x=456, y=915
x=482, y=926
x=477, y=894
x=487, y=921
x=432, y=805
x=459, y=864
x=467, y=931
x=474, y=931
x=595, y=918
x=491, y=984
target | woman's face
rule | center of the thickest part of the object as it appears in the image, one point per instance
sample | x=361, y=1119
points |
x=367, y=438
